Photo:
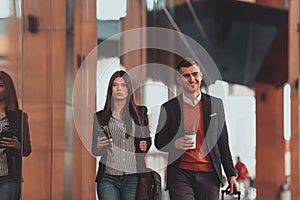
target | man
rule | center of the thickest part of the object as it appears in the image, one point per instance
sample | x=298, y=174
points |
x=194, y=173
x=243, y=175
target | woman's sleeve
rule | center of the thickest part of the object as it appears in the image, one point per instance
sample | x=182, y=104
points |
x=148, y=138
x=96, y=133
x=26, y=136
x=145, y=129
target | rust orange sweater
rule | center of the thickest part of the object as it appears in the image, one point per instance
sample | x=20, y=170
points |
x=192, y=159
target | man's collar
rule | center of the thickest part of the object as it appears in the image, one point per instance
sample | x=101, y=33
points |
x=190, y=102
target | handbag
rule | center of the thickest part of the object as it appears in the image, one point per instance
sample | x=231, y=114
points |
x=149, y=187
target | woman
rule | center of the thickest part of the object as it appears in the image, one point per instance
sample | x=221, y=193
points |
x=121, y=137
x=13, y=129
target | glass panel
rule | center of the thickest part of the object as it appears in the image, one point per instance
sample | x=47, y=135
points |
x=45, y=63
x=13, y=123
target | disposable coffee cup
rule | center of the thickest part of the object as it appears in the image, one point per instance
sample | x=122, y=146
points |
x=192, y=135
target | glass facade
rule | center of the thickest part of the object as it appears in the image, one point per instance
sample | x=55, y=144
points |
x=61, y=54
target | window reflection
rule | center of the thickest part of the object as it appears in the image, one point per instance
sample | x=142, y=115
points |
x=5, y=10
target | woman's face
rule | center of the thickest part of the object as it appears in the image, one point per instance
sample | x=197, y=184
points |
x=119, y=89
x=2, y=91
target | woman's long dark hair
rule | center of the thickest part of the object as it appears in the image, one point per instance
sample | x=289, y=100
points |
x=11, y=100
x=130, y=110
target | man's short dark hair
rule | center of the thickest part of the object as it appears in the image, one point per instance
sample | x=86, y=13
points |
x=187, y=62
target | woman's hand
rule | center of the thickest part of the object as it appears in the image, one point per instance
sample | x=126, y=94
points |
x=143, y=145
x=102, y=142
x=11, y=142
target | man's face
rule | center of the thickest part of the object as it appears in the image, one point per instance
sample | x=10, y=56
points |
x=190, y=79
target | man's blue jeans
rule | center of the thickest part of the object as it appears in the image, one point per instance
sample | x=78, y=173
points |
x=117, y=187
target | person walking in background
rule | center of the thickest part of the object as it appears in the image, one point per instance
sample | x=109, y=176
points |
x=121, y=137
x=242, y=175
x=15, y=140
x=194, y=172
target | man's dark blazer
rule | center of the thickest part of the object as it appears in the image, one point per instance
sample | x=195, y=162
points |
x=170, y=127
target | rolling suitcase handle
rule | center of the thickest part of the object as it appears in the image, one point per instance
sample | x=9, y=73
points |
x=236, y=193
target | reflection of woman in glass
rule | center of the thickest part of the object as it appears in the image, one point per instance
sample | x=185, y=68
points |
x=13, y=129
x=121, y=136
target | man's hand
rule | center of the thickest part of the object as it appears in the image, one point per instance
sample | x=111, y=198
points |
x=183, y=143
x=233, y=186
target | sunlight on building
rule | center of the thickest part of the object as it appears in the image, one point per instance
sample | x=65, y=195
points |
x=5, y=10
x=111, y=9
x=287, y=126
x=239, y=106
